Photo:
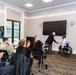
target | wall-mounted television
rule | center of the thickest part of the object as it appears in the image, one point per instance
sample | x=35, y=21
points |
x=1, y=31
x=55, y=26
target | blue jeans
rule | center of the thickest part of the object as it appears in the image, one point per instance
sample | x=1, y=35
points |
x=7, y=70
x=49, y=48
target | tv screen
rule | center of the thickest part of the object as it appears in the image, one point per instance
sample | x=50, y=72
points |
x=1, y=31
x=55, y=26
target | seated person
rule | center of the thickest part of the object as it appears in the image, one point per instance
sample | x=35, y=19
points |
x=38, y=47
x=6, y=69
x=24, y=50
x=6, y=46
x=63, y=43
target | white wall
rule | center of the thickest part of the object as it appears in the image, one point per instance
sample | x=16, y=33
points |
x=2, y=14
x=35, y=24
x=36, y=28
x=54, y=10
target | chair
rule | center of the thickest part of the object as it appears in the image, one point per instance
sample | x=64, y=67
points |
x=21, y=63
x=39, y=55
x=5, y=56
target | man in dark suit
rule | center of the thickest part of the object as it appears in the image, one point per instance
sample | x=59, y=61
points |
x=50, y=40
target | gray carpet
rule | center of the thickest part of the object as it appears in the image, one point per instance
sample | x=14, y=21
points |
x=57, y=65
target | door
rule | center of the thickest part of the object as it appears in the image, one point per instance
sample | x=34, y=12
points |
x=32, y=40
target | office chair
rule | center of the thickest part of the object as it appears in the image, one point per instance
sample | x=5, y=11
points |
x=39, y=55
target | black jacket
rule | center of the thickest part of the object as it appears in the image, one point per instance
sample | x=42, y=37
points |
x=24, y=50
x=50, y=39
x=21, y=63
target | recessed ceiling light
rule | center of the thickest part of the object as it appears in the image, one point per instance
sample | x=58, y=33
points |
x=47, y=1
x=28, y=5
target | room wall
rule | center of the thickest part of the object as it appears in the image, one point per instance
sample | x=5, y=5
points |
x=35, y=24
x=54, y=10
x=2, y=14
x=26, y=21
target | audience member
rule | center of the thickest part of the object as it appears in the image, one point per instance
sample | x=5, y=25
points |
x=24, y=50
x=4, y=70
x=38, y=47
x=49, y=41
x=6, y=46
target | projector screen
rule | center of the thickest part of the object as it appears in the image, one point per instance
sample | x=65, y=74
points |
x=55, y=26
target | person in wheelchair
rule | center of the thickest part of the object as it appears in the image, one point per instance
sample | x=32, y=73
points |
x=38, y=52
x=63, y=44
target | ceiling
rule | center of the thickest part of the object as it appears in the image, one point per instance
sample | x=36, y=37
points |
x=38, y=4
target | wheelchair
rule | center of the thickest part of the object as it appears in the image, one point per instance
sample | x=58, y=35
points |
x=66, y=51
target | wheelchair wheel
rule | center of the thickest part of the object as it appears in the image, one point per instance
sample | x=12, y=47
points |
x=67, y=51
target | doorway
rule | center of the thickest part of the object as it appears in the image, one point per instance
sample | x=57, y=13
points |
x=32, y=40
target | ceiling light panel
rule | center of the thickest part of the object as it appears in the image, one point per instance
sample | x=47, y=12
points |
x=46, y=1
x=29, y=5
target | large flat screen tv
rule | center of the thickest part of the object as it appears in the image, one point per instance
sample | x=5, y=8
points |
x=55, y=26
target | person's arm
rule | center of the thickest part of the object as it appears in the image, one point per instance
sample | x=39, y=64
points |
x=1, y=55
x=9, y=48
x=55, y=40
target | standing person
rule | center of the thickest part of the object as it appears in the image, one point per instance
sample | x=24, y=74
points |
x=49, y=41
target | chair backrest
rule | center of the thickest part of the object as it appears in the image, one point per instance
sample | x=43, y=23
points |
x=37, y=53
x=5, y=56
x=20, y=62
x=67, y=44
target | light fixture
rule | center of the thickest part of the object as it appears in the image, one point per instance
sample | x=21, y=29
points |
x=28, y=5
x=46, y=1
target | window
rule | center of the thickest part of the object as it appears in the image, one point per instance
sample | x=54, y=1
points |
x=13, y=31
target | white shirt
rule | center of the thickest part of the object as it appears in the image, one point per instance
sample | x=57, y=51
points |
x=64, y=42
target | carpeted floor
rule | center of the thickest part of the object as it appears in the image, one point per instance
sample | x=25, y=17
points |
x=57, y=65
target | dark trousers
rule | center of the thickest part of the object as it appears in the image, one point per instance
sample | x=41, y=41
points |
x=7, y=70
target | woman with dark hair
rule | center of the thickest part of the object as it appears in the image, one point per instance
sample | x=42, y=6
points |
x=37, y=51
x=38, y=45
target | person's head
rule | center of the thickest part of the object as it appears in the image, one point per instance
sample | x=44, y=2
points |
x=21, y=42
x=38, y=44
x=53, y=33
x=64, y=36
x=5, y=40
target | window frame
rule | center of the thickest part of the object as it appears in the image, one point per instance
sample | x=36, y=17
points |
x=14, y=29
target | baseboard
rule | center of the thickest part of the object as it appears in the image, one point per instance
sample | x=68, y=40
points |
x=56, y=49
